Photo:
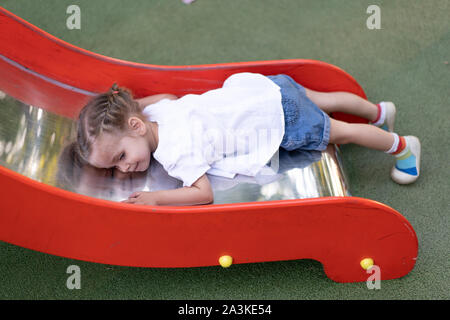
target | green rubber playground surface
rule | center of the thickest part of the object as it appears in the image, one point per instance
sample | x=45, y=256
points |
x=406, y=61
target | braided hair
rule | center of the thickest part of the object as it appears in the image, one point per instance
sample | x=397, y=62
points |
x=106, y=112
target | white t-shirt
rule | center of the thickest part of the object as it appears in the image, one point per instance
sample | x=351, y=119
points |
x=232, y=130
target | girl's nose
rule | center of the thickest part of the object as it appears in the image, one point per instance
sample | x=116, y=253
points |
x=124, y=168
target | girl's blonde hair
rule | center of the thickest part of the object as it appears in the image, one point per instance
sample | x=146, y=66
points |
x=106, y=112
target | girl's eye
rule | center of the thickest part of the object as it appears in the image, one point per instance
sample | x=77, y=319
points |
x=122, y=156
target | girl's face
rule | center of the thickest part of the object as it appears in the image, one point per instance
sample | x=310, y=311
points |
x=128, y=152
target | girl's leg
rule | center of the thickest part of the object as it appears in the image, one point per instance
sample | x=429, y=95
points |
x=405, y=149
x=362, y=134
x=343, y=102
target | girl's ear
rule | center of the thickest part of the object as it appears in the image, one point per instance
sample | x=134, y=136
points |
x=137, y=125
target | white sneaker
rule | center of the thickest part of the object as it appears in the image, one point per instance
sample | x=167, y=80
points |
x=407, y=166
x=389, y=116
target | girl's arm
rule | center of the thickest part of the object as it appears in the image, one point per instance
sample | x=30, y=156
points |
x=199, y=193
x=143, y=102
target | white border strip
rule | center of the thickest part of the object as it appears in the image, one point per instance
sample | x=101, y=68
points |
x=47, y=79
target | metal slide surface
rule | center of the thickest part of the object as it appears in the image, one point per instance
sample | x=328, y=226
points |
x=303, y=210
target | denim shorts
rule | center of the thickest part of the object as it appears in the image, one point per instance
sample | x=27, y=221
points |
x=307, y=127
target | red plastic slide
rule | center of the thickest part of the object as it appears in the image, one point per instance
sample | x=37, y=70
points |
x=340, y=232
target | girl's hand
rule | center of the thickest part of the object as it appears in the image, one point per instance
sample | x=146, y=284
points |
x=199, y=193
x=142, y=197
x=144, y=102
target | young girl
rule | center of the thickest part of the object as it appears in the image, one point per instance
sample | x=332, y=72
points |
x=232, y=130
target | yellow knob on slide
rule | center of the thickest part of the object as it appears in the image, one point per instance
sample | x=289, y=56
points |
x=225, y=261
x=366, y=263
